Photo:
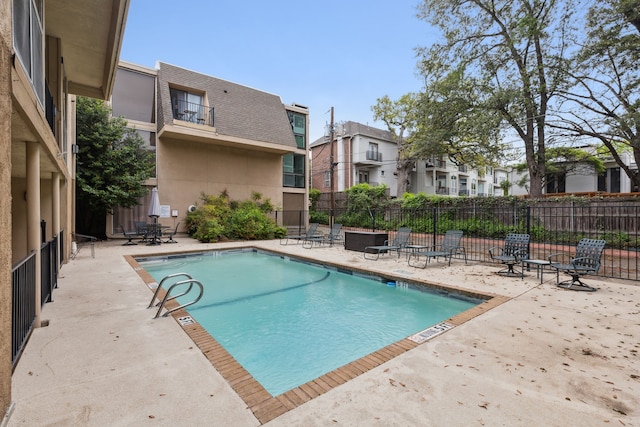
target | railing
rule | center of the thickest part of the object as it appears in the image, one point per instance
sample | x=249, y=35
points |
x=464, y=192
x=23, y=304
x=553, y=229
x=437, y=163
x=374, y=155
x=48, y=270
x=193, y=113
x=442, y=190
x=463, y=168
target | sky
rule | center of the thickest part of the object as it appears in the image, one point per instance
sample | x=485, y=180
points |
x=318, y=53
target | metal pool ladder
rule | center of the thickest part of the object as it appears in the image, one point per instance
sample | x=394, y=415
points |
x=167, y=296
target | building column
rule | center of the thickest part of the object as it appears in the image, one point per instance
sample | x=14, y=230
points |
x=34, y=234
x=55, y=211
x=6, y=304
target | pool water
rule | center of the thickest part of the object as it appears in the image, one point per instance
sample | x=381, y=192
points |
x=288, y=322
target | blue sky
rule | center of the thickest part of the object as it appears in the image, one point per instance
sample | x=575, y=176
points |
x=317, y=53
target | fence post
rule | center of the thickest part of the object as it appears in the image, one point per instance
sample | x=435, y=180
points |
x=435, y=224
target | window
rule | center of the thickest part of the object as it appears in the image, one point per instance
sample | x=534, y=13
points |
x=454, y=184
x=556, y=183
x=327, y=179
x=363, y=177
x=134, y=96
x=609, y=181
x=298, y=125
x=293, y=166
x=29, y=41
x=372, y=152
x=188, y=106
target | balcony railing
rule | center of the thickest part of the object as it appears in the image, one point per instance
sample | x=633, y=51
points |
x=193, y=113
x=376, y=156
x=463, y=168
x=442, y=190
x=437, y=163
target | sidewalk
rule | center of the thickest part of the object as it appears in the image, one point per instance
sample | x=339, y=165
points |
x=546, y=357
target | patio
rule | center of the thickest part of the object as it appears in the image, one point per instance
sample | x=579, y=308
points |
x=547, y=356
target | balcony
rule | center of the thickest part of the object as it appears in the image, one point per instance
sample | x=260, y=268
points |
x=463, y=193
x=435, y=163
x=374, y=155
x=463, y=168
x=442, y=190
x=193, y=113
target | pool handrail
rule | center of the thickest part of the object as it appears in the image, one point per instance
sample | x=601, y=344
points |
x=165, y=299
x=170, y=276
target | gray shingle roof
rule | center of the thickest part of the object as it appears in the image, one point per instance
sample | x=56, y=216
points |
x=240, y=111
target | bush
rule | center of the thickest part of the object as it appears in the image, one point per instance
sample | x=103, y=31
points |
x=221, y=218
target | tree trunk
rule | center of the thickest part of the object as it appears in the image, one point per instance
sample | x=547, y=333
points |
x=403, y=174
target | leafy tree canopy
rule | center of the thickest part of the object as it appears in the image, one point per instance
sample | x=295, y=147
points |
x=112, y=165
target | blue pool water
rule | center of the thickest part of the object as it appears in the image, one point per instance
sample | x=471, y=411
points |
x=288, y=322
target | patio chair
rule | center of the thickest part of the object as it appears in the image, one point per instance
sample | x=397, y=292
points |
x=400, y=241
x=311, y=231
x=586, y=261
x=170, y=234
x=516, y=248
x=130, y=235
x=449, y=247
x=141, y=229
x=335, y=235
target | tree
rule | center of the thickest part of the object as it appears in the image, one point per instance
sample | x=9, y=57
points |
x=604, y=101
x=516, y=50
x=452, y=121
x=400, y=118
x=112, y=166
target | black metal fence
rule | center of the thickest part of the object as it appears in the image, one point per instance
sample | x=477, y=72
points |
x=23, y=304
x=48, y=270
x=553, y=229
x=24, y=292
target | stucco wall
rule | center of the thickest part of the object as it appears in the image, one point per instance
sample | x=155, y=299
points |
x=190, y=168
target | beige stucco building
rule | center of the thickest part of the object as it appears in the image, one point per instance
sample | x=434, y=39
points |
x=211, y=135
x=49, y=52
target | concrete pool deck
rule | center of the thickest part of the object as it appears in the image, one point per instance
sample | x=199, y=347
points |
x=547, y=356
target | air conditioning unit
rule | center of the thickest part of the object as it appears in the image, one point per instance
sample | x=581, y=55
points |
x=192, y=208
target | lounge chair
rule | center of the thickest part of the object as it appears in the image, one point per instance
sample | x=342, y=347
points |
x=130, y=235
x=170, y=234
x=400, y=241
x=516, y=248
x=311, y=231
x=449, y=247
x=586, y=261
x=334, y=236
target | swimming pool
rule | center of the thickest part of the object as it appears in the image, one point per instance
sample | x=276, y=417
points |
x=288, y=322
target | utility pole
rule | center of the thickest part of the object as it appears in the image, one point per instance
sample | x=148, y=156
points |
x=331, y=167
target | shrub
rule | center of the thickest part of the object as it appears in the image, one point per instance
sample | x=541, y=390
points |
x=221, y=218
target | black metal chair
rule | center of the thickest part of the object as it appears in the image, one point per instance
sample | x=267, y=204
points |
x=170, y=234
x=311, y=232
x=400, y=241
x=130, y=235
x=449, y=247
x=334, y=236
x=516, y=248
x=586, y=261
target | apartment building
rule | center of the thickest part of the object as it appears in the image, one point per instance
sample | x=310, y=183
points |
x=49, y=53
x=580, y=178
x=209, y=136
x=364, y=154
